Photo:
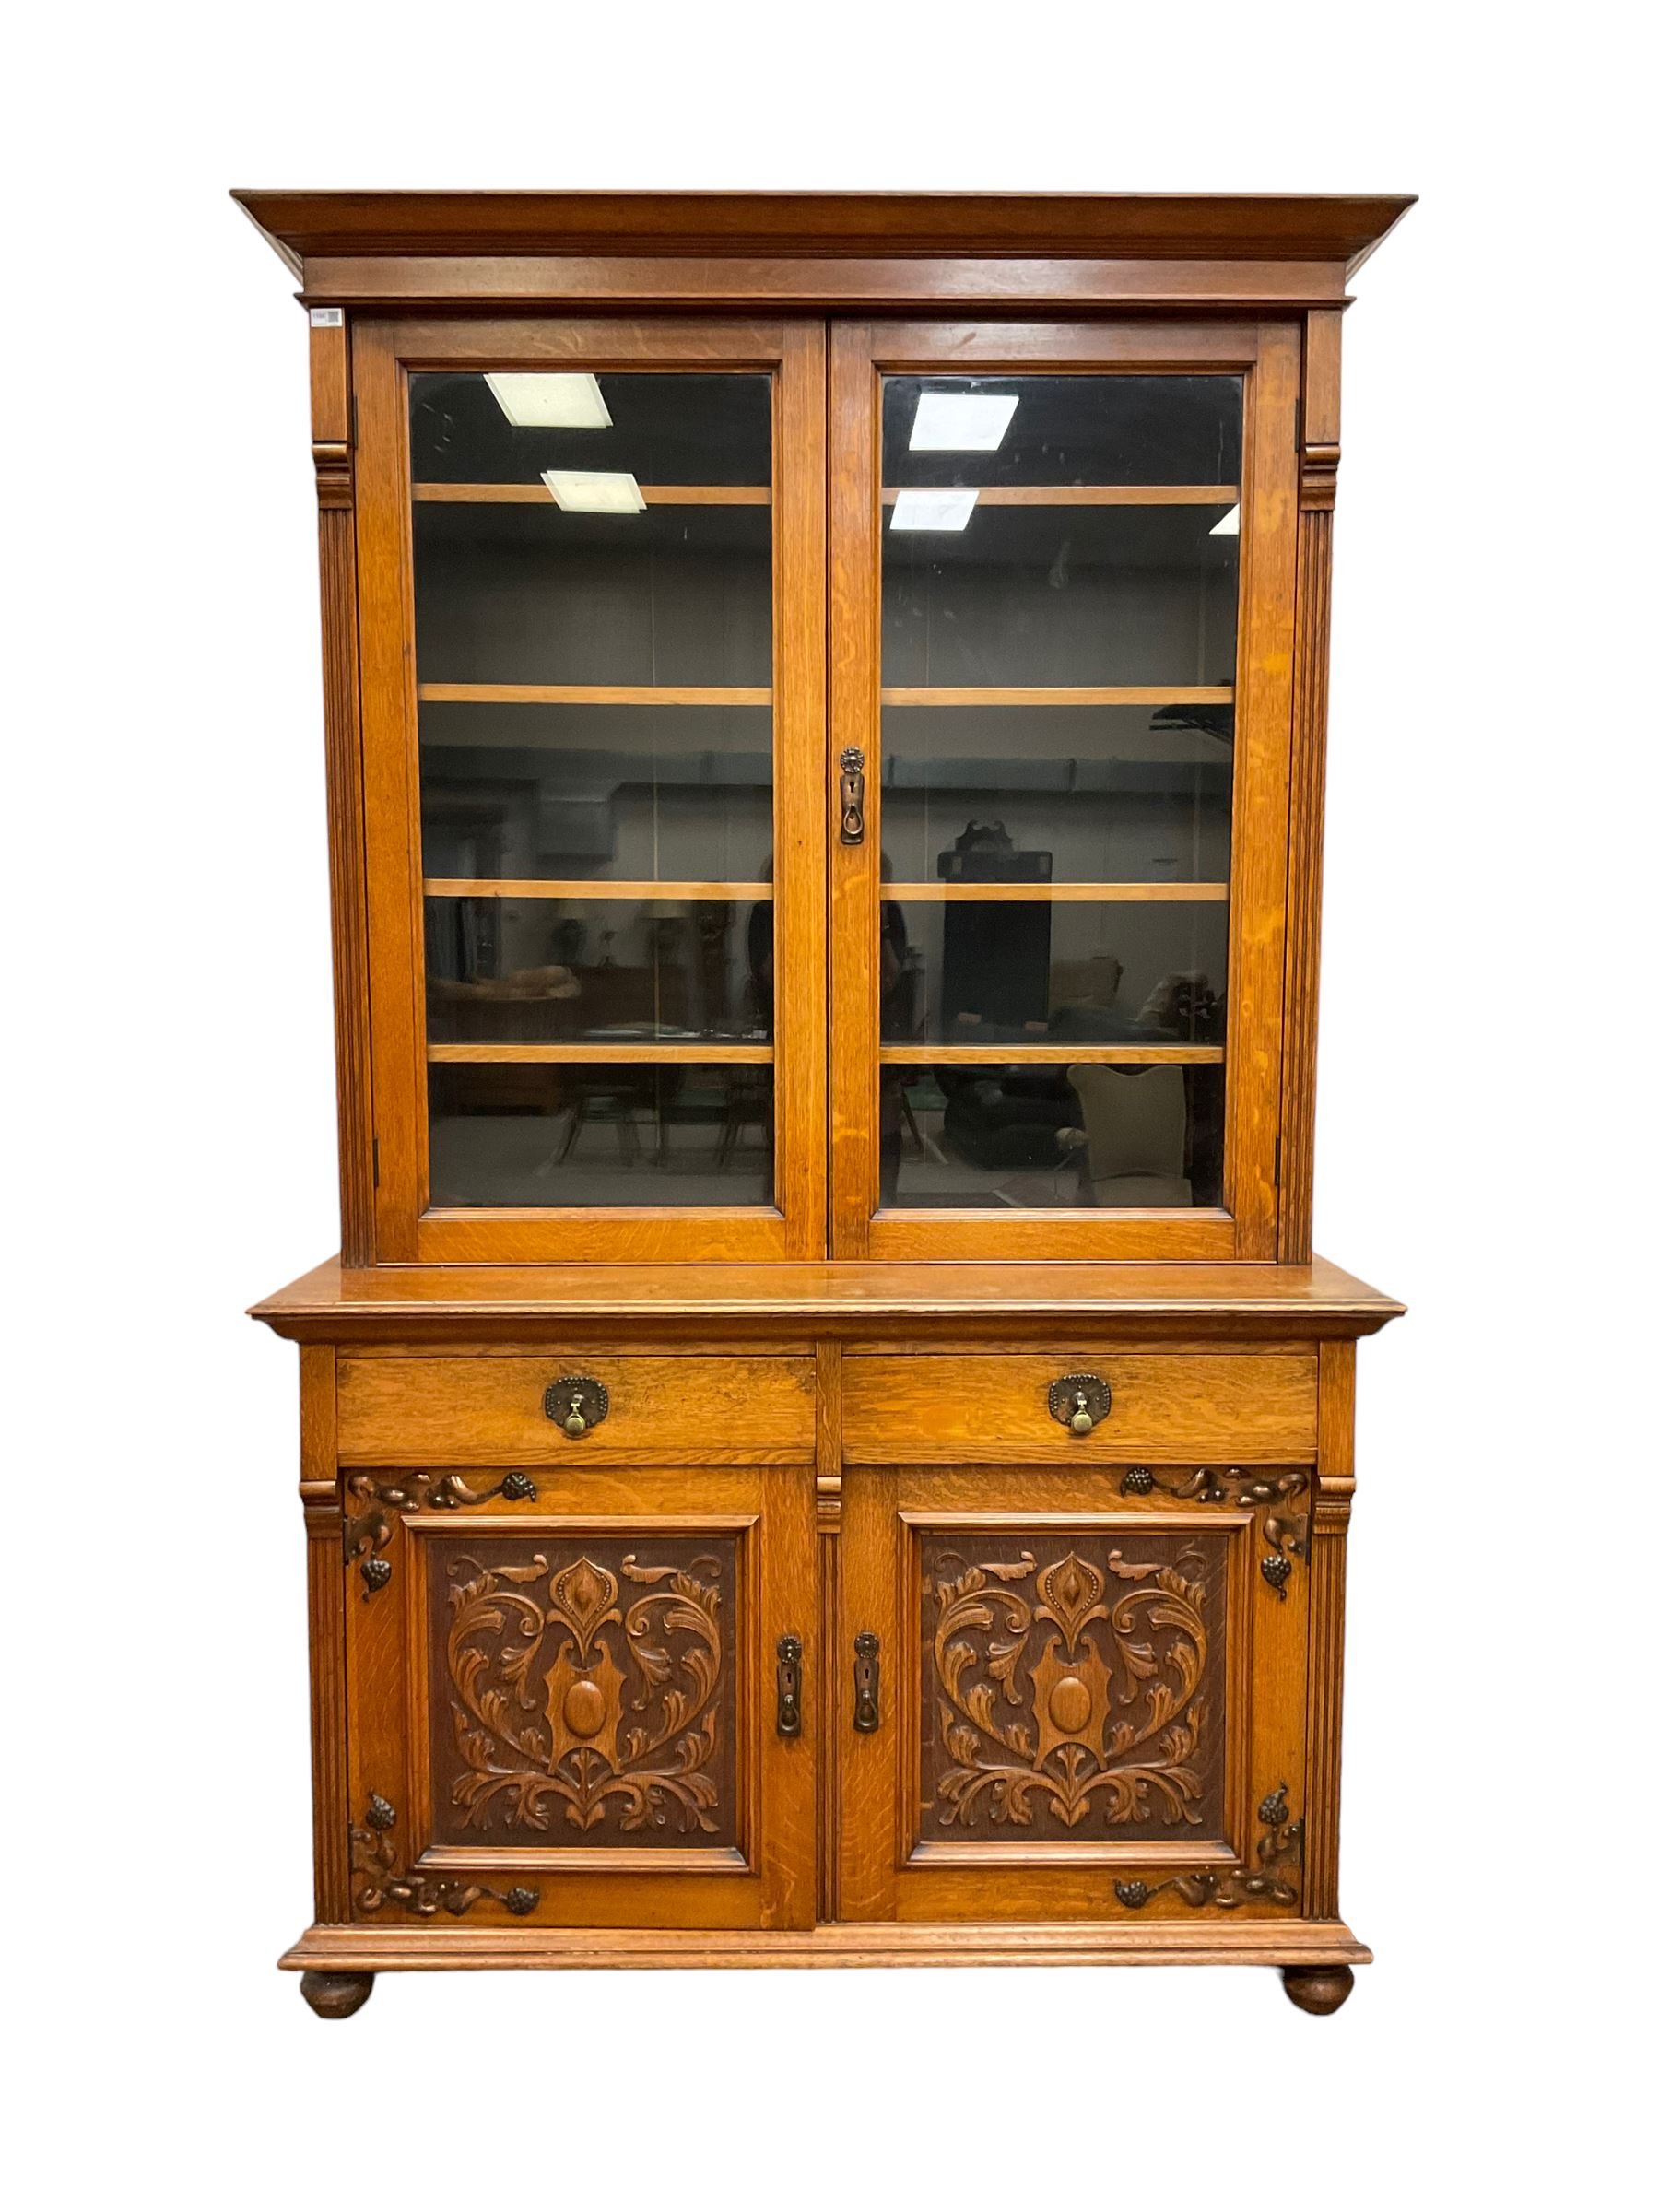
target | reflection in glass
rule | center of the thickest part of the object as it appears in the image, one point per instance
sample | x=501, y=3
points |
x=625, y=794
x=1061, y=795
x=1077, y=430
x=1028, y=972
x=1023, y=1136
x=1062, y=595
x=618, y=970
x=662, y=428
x=529, y=594
x=1051, y=537
x=607, y=532
x=600, y=1134
x=1094, y=544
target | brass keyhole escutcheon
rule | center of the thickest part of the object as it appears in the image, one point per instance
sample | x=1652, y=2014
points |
x=1080, y=1403
x=789, y=1685
x=577, y=1402
x=853, y=795
x=867, y=1682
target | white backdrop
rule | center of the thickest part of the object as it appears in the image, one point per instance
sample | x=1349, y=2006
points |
x=1485, y=1150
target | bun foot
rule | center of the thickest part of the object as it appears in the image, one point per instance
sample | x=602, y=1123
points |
x=338, y=1996
x=1312, y=1988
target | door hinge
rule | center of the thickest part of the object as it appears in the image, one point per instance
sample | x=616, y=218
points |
x=1278, y=1148
x=374, y=1158
x=1296, y=431
x=351, y=421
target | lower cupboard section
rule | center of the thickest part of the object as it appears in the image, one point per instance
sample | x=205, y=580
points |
x=1090, y=1709
x=567, y=1702
x=658, y=1700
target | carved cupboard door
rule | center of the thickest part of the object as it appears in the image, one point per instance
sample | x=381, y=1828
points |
x=574, y=1697
x=1080, y=1710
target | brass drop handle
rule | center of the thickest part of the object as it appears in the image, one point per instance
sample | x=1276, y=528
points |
x=867, y=1682
x=1080, y=1402
x=853, y=795
x=789, y=1685
x=577, y=1402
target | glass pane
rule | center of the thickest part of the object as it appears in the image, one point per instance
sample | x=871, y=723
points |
x=1046, y=1134
x=1060, y=577
x=597, y=794
x=1062, y=595
x=594, y=640
x=610, y=970
x=593, y=1133
x=1062, y=794
x=1031, y=972
x=527, y=594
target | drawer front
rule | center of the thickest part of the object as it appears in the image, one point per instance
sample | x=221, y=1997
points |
x=941, y=1411
x=492, y=1412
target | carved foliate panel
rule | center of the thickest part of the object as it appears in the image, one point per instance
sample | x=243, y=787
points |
x=585, y=1691
x=1072, y=1687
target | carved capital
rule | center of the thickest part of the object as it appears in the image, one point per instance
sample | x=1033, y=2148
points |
x=333, y=463
x=1332, y=1504
x=1319, y=463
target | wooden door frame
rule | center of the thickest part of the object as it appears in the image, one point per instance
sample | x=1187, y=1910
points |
x=885, y=1872
x=1267, y=354
x=408, y=1228
x=769, y=1879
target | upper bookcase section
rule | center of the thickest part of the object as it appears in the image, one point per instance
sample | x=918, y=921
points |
x=835, y=252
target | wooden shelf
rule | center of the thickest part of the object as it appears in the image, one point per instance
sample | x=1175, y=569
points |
x=1048, y=695
x=678, y=1055
x=598, y=694
x=1037, y=1055
x=1056, y=894
x=535, y=887
x=1081, y=495
x=654, y=495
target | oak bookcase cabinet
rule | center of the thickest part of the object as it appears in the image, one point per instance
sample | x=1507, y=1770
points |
x=825, y=1441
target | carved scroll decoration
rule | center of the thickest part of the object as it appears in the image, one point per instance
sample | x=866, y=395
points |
x=1279, y=1858
x=375, y=1856
x=1060, y=1696
x=1283, y=1534
x=570, y=1696
x=373, y=1504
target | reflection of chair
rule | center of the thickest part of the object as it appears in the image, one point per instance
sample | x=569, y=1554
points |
x=748, y=1105
x=601, y=1096
x=902, y=1023
x=1136, y=1123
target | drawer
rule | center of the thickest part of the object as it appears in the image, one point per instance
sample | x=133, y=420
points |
x=486, y=1411
x=1173, y=1405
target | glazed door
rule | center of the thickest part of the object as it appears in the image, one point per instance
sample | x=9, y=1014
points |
x=1077, y=1714
x=574, y=1699
x=590, y=562
x=1062, y=583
